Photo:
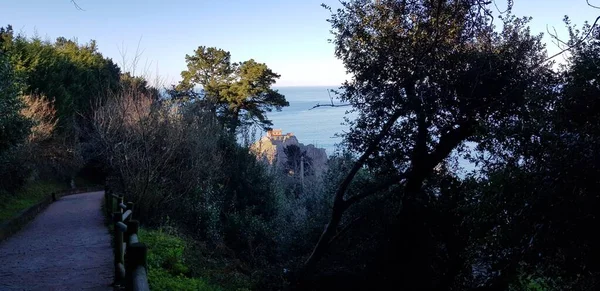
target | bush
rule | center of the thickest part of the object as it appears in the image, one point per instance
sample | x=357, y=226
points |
x=14, y=128
x=75, y=76
x=173, y=159
x=12, y=203
x=29, y=146
x=167, y=268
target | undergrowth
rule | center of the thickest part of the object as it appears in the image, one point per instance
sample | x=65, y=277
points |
x=13, y=203
x=167, y=267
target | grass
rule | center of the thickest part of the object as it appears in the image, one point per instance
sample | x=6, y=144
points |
x=26, y=197
x=167, y=268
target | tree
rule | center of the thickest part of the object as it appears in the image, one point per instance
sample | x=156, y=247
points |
x=427, y=76
x=73, y=76
x=295, y=156
x=538, y=199
x=239, y=93
x=14, y=127
x=138, y=86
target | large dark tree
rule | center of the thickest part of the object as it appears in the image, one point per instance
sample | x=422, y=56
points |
x=538, y=200
x=427, y=76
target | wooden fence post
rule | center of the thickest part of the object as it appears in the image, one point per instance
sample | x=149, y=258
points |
x=118, y=241
x=119, y=201
x=130, y=260
x=137, y=278
x=132, y=228
x=130, y=207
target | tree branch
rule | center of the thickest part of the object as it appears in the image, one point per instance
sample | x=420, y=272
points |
x=508, y=7
x=449, y=141
x=346, y=228
x=555, y=37
x=77, y=5
x=375, y=189
x=577, y=43
x=339, y=204
x=420, y=149
x=329, y=105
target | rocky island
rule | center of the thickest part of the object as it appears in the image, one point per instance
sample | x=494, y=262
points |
x=271, y=149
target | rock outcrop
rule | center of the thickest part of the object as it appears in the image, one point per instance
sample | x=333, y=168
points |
x=270, y=148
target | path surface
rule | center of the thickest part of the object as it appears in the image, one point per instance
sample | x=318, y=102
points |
x=66, y=247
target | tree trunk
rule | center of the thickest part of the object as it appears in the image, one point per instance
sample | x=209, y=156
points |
x=340, y=204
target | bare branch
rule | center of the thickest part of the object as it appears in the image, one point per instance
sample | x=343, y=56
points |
x=554, y=36
x=377, y=188
x=329, y=105
x=593, y=6
x=77, y=5
x=508, y=7
x=576, y=44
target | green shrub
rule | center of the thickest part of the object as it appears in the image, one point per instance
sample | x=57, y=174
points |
x=29, y=195
x=163, y=280
x=184, y=165
x=14, y=128
x=167, y=268
x=74, y=75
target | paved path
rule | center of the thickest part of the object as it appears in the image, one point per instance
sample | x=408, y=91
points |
x=66, y=247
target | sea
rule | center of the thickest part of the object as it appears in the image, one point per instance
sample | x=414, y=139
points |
x=319, y=126
x=322, y=125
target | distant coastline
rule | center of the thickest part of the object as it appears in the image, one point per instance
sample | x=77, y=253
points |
x=318, y=126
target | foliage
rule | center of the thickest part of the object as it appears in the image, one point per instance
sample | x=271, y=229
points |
x=42, y=113
x=431, y=82
x=539, y=188
x=295, y=157
x=434, y=81
x=13, y=126
x=13, y=203
x=167, y=268
x=137, y=85
x=173, y=160
x=74, y=76
x=54, y=85
x=427, y=77
x=240, y=93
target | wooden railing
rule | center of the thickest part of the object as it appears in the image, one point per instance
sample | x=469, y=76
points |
x=130, y=254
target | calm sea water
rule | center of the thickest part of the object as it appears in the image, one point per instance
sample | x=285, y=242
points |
x=316, y=126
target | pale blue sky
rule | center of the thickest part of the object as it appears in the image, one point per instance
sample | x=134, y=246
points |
x=289, y=35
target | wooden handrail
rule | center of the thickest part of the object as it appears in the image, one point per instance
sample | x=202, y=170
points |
x=122, y=226
x=126, y=215
x=130, y=254
x=133, y=239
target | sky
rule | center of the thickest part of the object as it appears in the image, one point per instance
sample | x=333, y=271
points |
x=290, y=36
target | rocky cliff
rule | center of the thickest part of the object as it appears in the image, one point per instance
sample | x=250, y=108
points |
x=270, y=148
